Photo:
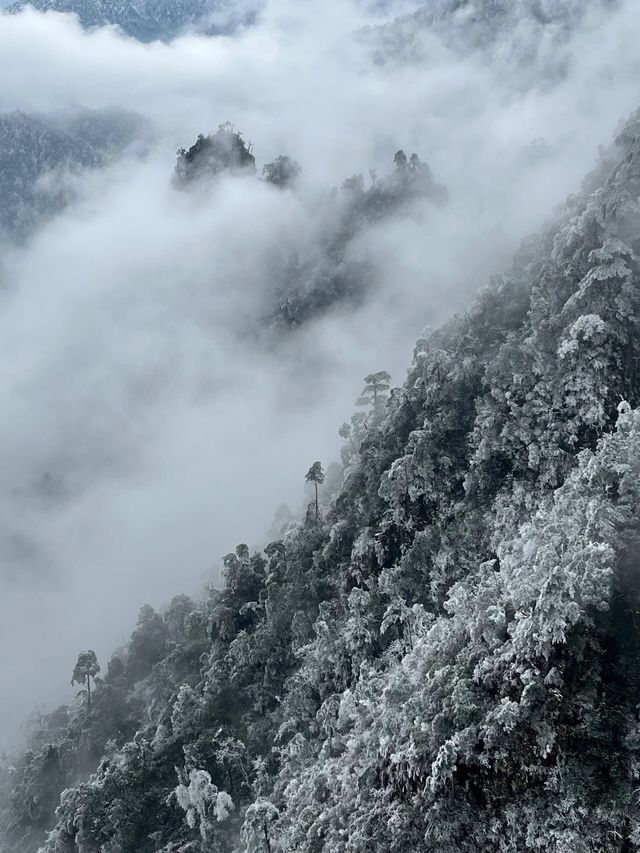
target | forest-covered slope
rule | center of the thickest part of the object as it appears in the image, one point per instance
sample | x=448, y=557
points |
x=146, y=20
x=443, y=654
x=538, y=30
x=37, y=153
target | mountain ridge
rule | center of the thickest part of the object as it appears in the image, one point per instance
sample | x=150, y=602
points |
x=442, y=655
x=145, y=20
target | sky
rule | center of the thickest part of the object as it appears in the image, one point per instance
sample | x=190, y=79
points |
x=163, y=430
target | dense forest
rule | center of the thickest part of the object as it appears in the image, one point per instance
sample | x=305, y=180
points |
x=39, y=156
x=441, y=651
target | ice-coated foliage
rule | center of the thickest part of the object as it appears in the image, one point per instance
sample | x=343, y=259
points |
x=202, y=802
x=443, y=655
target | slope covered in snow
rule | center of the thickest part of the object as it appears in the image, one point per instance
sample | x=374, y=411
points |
x=442, y=654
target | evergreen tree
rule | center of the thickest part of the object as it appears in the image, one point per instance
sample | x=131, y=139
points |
x=315, y=475
x=86, y=668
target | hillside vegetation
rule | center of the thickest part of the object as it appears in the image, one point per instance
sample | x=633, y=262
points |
x=442, y=655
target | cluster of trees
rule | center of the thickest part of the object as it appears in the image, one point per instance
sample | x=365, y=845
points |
x=210, y=156
x=311, y=280
x=227, y=152
x=313, y=283
x=442, y=655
